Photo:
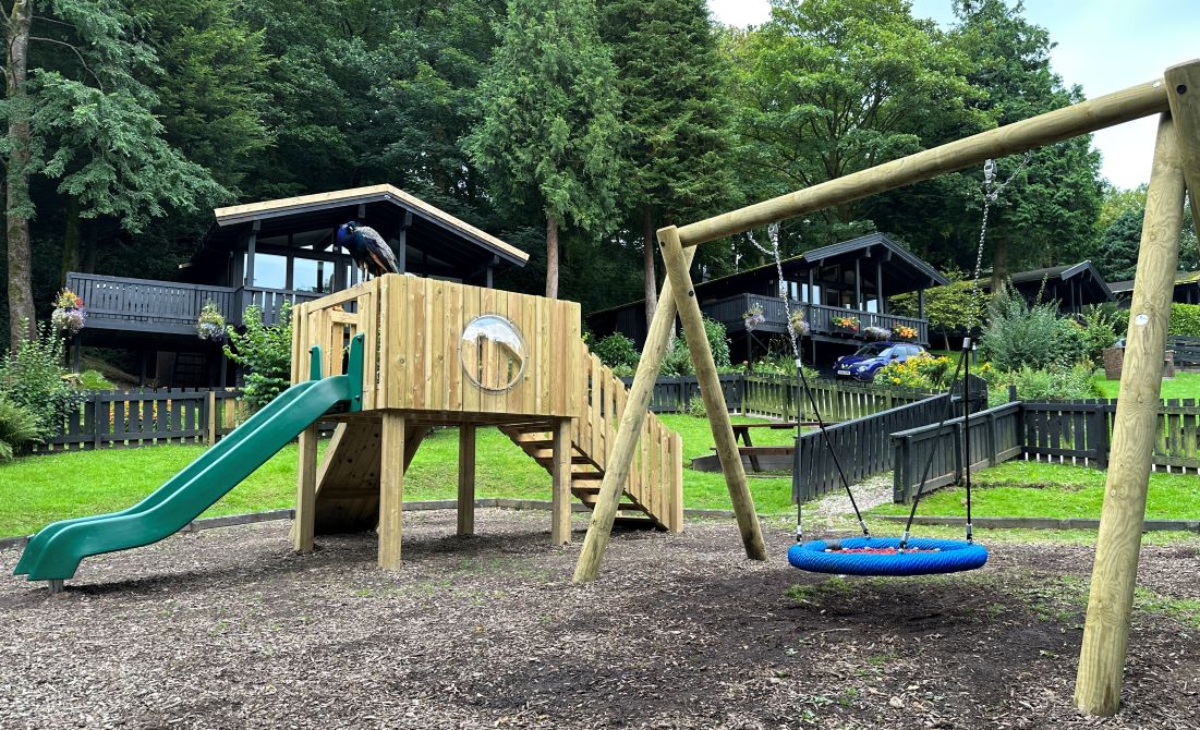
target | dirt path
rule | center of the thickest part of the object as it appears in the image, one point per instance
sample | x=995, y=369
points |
x=227, y=629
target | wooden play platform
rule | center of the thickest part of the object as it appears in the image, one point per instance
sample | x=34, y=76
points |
x=438, y=354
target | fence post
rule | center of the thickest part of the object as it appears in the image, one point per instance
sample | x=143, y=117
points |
x=211, y=406
x=1100, y=423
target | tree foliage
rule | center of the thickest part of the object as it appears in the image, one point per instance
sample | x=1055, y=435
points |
x=550, y=136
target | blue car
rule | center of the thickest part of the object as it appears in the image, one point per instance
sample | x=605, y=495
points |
x=863, y=364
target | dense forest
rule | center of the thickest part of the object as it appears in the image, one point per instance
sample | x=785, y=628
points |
x=572, y=128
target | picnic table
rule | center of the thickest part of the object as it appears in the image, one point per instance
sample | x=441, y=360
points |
x=741, y=431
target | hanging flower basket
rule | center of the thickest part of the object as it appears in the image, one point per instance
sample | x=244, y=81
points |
x=905, y=333
x=753, y=317
x=877, y=334
x=798, y=326
x=69, y=315
x=211, y=324
x=847, y=324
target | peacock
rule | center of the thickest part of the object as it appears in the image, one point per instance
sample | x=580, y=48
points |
x=368, y=249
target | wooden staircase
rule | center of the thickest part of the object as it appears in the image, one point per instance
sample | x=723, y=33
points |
x=653, y=496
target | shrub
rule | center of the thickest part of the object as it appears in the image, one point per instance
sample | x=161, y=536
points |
x=617, y=350
x=1099, y=331
x=32, y=377
x=1019, y=335
x=18, y=427
x=1052, y=384
x=265, y=352
x=1185, y=320
x=925, y=373
x=948, y=308
x=697, y=408
x=678, y=361
x=781, y=365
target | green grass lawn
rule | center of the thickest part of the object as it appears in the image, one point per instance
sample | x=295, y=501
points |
x=1033, y=489
x=1183, y=385
x=35, y=491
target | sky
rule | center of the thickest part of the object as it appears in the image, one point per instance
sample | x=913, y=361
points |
x=1103, y=46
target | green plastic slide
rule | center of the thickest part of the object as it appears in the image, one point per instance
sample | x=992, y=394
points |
x=54, y=553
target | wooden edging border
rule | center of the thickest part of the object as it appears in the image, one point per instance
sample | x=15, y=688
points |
x=1027, y=523
x=250, y=518
x=1044, y=523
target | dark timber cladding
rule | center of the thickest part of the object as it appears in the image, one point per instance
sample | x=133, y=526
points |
x=1072, y=286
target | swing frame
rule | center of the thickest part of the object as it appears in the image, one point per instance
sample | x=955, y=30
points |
x=1175, y=96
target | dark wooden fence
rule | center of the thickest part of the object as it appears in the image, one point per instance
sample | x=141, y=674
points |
x=1187, y=350
x=775, y=396
x=863, y=446
x=1077, y=432
x=995, y=435
x=146, y=417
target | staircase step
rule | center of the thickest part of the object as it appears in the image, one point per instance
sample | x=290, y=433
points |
x=591, y=499
x=547, y=460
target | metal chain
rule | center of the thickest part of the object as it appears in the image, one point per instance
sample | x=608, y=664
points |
x=773, y=236
x=991, y=193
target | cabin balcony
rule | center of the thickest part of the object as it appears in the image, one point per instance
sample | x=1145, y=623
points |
x=145, y=306
x=730, y=312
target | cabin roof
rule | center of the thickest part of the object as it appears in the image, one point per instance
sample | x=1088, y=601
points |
x=432, y=231
x=905, y=271
x=1085, y=272
x=1181, y=279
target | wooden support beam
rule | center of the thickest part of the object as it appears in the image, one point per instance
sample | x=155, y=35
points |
x=466, y=479
x=616, y=470
x=710, y=390
x=1103, y=111
x=1183, y=94
x=560, y=500
x=391, y=489
x=1114, y=574
x=306, y=492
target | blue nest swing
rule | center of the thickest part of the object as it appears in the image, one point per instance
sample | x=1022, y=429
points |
x=883, y=556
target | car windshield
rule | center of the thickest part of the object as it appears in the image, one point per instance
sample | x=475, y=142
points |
x=872, y=351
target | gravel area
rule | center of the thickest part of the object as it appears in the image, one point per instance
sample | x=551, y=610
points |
x=227, y=629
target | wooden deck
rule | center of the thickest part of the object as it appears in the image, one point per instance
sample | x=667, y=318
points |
x=730, y=311
x=166, y=307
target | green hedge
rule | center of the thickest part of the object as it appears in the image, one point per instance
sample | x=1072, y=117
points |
x=1185, y=320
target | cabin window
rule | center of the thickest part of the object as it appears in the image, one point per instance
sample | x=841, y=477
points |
x=312, y=276
x=270, y=271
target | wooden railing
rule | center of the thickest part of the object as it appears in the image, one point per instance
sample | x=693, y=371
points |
x=1186, y=349
x=995, y=436
x=1078, y=432
x=862, y=446
x=656, y=478
x=146, y=305
x=145, y=417
x=775, y=396
x=730, y=311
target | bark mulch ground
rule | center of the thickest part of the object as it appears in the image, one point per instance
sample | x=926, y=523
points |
x=228, y=629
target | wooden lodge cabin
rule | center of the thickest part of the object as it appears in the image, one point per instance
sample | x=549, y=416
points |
x=849, y=279
x=1072, y=286
x=1187, y=289
x=269, y=253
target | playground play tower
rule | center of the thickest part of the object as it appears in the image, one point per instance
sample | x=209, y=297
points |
x=437, y=353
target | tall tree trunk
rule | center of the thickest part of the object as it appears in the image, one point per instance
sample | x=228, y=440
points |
x=551, y=256
x=999, y=263
x=72, y=243
x=20, y=277
x=648, y=242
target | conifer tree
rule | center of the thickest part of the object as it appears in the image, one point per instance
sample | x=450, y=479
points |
x=549, y=139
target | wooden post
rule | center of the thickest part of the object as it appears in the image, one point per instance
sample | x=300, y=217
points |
x=710, y=389
x=616, y=472
x=306, y=492
x=560, y=510
x=1183, y=94
x=391, y=489
x=212, y=417
x=1114, y=574
x=1103, y=111
x=466, y=479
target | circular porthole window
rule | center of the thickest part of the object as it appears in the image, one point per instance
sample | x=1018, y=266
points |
x=492, y=352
